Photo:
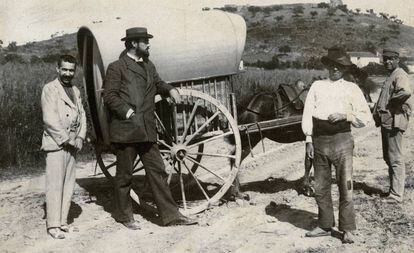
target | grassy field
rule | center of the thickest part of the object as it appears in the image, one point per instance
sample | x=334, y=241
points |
x=21, y=115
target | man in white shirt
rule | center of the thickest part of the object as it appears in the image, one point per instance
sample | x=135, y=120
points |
x=331, y=107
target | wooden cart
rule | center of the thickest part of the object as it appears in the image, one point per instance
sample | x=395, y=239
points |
x=199, y=53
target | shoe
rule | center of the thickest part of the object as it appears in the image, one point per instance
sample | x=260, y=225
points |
x=390, y=199
x=55, y=233
x=181, y=221
x=348, y=237
x=64, y=228
x=133, y=225
x=318, y=232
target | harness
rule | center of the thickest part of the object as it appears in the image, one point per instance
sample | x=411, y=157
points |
x=291, y=93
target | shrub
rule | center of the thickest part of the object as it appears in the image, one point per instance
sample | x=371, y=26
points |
x=298, y=10
x=279, y=18
x=12, y=47
x=343, y=7
x=229, y=9
x=323, y=5
x=277, y=7
x=370, y=47
x=285, y=49
x=14, y=58
x=314, y=14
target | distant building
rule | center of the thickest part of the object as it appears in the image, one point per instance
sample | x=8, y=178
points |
x=410, y=66
x=362, y=59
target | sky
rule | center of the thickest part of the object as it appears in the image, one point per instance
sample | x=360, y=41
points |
x=34, y=20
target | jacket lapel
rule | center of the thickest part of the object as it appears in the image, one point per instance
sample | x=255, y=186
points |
x=63, y=94
x=134, y=67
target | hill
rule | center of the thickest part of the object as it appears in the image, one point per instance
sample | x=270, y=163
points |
x=300, y=32
x=294, y=33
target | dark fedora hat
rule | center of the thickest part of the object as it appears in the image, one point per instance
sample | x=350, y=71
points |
x=336, y=56
x=390, y=52
x=136, y=33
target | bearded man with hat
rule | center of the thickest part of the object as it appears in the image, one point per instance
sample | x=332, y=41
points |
x=391, y=113
x=332, y=106
x=130, y=86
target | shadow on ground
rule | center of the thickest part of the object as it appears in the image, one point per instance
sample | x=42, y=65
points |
x=299, y=218
x=274, y=185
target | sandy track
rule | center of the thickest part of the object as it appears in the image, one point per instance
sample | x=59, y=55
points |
x=275, y=220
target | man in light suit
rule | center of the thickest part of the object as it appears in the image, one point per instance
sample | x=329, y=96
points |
x=64, y=131
x=130, y=86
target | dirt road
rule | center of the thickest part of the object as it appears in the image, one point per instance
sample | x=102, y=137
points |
x=274, y=220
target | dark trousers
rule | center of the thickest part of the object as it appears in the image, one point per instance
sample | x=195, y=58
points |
x=392, y=153
x=334, y=150
x=155, y=174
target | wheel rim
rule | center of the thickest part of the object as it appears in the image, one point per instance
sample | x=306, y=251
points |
x=204, y=163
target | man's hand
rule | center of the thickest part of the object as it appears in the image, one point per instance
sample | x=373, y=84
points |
x=309, y=150
x=335, y=117
x=175, y=96
x=78, y=143
x=69, y=144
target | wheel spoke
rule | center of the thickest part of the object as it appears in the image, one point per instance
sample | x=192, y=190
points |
x=182, y=187
x=190, y=120
x=164, y=143
x=135, y=165
x=198, y=183
x=203, y=126
x=171, y=172
x=167, y=134
x=204, y=167
x=110, y=165
x=174, y=122
x=210, y=139
x=214, y=155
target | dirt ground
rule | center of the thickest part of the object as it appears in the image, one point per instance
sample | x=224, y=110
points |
x=274, y=220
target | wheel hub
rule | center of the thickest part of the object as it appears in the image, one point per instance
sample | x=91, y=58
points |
x=179, y=152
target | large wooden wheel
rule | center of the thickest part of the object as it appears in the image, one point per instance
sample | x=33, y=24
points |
x=200, y=144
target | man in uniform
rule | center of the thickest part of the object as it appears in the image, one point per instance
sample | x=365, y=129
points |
x=64, y=131
x=331, y=107
x=130, y=86
x=391, y=113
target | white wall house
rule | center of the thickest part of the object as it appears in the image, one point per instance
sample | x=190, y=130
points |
x=362, y=59
x=410, y=66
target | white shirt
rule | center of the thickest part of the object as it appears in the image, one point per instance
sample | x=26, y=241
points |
x=326, y=97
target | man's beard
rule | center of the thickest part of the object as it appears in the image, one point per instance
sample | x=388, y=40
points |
x=142, y=53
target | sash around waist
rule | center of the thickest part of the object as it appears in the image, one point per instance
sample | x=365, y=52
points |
x=324, y=127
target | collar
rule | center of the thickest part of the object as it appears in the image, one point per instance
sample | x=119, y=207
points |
x=337, y=81
x=65, y=85
x=135, y=58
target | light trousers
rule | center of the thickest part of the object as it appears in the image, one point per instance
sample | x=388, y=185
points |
x=392, y=149
x=60, y=182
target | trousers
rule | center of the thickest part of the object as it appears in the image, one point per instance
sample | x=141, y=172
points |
x=336, y=150
x=155, y=174
x=393, y=156
x=60, y=182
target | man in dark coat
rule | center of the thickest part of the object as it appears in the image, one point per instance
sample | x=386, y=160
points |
x=130, y=86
